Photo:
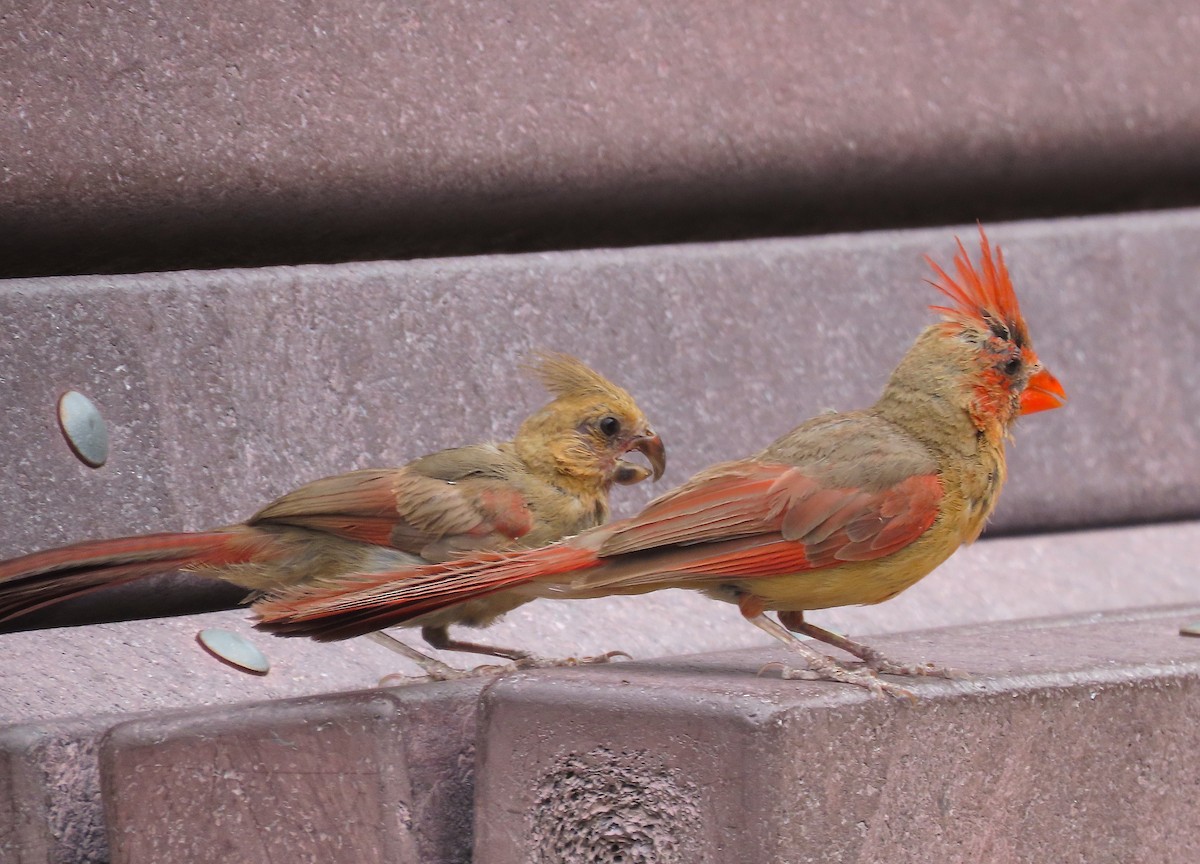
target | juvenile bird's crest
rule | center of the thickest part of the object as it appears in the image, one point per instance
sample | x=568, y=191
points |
x=983, y=299
x=564, y=375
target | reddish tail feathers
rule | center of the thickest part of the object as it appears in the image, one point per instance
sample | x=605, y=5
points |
x=364, y=603
x=44, y=578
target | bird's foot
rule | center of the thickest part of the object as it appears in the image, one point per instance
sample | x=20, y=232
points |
x=880, y=664
x=872, y=659
x=439, y=671
x=606, y=657
x=831, y=670
x=820, y=667
x=554, y=663
x=446, y=673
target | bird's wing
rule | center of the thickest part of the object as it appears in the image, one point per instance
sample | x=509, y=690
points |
x=405, y=508
x=740, y=520
x=755, y=519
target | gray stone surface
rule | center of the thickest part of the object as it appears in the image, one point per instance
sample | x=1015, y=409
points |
x=1075, y=740
x=385, y=776
x=224, y=389
x=159, y=134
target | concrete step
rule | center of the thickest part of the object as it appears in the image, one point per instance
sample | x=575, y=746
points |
x=379, y=776
x=1075, y=740
x=181, y=720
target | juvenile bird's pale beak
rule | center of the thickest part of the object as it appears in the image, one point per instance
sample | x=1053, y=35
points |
x=651, y=446
x=1042, y=393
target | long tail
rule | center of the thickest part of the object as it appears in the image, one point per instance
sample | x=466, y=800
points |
x=41, y=579
x=366, y=602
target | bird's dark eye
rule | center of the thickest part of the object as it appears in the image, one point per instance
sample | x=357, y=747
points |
x=1013, y=366
x=609, y=426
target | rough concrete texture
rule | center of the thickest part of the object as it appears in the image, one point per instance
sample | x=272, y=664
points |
x=1074, y=741
x=153, y=135
x=50, y=804
x=225, y=389
x=384, y=776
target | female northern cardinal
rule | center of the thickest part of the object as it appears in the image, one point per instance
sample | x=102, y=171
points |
x=845, y=509
x=551, y=480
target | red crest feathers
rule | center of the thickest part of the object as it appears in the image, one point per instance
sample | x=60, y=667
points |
x=983, y=299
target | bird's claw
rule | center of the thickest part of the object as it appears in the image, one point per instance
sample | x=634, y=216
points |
x=882, y=665
x=449, y=673
x=790, y=673
x=834, y=671
x=399, y=679
x=606, y=657
x=438, y=671
x=918, y=670
x=551, y=663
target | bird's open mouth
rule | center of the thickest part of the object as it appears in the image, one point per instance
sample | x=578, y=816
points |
x=649, y=445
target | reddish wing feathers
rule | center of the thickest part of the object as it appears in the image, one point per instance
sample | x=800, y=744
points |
x=880, y=524
x=741, y=520
x=771, y=520
x=370, y=492
x=724, y=502
x=752, y=498
x=44, y=578
x=123, y=550
x=370, y=602
x=401, y=508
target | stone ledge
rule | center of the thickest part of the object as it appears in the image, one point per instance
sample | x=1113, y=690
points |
x=382, y=776
x=50, y=805
x=254, y=381
x=1075, y=741
x=702, y=732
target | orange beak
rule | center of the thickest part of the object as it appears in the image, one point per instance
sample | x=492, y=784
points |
x=1042, y=393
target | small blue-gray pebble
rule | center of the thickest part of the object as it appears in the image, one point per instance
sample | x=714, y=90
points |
x=84, y=428
x=1192, y=629
x=234, y=649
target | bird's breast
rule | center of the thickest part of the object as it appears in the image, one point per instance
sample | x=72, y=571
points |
x=856, y=583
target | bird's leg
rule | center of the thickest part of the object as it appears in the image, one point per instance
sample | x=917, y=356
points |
x=434, y=668
x=873, y=658
x=820, y=667
x=439, y=637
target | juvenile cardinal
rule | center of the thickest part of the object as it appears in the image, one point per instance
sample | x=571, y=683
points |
x=550, y=481
x=845, y=509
